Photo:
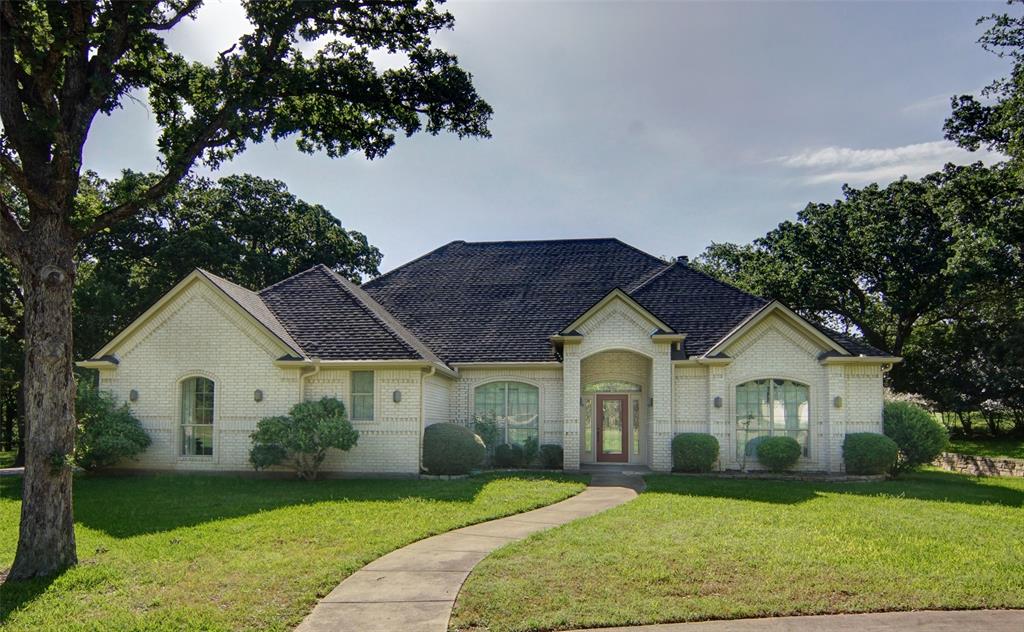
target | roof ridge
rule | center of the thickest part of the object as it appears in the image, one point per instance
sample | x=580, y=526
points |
x=289, y=278
x=651, y=277
x=412, y=261
x=378, y=312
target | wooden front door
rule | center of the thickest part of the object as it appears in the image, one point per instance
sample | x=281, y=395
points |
x=612, y=428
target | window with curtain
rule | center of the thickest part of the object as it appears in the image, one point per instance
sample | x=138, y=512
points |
x=362, y=395
x=515, y=403
x=767, y=408
x=197, y=417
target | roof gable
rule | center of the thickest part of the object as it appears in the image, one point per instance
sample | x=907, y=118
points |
x=244, y=302
x=775, y=308
x=614, y=295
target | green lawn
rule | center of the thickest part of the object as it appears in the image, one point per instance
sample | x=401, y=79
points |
x=703, y=548
x=7, y=458
x=220, y=553
x=988, y=446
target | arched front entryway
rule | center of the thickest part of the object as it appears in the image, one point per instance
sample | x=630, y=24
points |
x=615, y=408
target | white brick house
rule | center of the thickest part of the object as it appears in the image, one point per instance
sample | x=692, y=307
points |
x=590, y=344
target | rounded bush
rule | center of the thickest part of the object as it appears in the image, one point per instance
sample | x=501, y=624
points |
x=552, y=456
x=920, y=437
x=694, y=452
x=509, y=455
x=869, y=453
x=778, y=453
x=106, y=432
x=451, y=449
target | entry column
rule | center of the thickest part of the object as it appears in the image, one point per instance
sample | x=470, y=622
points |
x=571, y=406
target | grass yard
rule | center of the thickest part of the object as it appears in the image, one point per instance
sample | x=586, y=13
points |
x=7, y=458
x=987, y=446
x=694, y=548
x=224, y=553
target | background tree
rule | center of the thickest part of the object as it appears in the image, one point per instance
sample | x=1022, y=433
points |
x=63, y=63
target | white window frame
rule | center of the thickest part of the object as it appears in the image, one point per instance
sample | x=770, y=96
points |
x=506, y=381
x=372, y=394
x=180, y=427
x=805, y=455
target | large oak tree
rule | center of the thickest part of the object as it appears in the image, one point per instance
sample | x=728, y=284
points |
x=64, y=63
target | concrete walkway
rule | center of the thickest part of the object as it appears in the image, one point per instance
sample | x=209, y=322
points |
x=413, y=589
x=930, y=620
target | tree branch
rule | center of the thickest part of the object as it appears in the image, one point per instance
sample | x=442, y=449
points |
x=171, y=22
x=12, y=235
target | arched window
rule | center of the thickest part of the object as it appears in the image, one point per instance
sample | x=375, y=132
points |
x=773, y=407
x=197, y=417
x=514, y=405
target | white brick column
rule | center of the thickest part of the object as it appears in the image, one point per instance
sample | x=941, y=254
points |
x=835, y=426
x=661, y=414
x=718, y=418
x=571, y=406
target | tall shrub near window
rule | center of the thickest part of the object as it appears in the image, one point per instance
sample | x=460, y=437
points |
x=197, y=407
x=301, y=438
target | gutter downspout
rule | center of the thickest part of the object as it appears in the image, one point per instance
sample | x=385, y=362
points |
x=423, y=418
x=303, y=376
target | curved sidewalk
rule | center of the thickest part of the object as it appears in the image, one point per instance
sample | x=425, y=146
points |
x=414, y=588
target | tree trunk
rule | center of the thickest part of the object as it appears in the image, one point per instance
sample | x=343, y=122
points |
x=46, y=540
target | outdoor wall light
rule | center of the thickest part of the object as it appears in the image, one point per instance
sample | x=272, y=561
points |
x=257, y=395
x=133, y=395
x=396, y=396
x=838, y=402
x=718, y=401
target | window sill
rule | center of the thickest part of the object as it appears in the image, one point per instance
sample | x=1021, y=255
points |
x=185, y=458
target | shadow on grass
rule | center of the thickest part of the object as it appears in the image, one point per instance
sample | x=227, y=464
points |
x=14, y=595
x=126, y=506
x=931, y=485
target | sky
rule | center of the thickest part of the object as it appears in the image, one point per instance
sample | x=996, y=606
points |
x=669, y=125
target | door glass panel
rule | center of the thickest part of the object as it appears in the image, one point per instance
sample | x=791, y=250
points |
x=611, y=426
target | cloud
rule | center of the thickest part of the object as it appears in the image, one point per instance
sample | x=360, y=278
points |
x=845, y=164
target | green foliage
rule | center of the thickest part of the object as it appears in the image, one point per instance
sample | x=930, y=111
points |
x=552, y=456
x=107, y=432
x=487, y=428
x=920, y=437
x=531, y=448
x=778, y=454
x=869, y=453
x=509, y=455
x=451, y=449
x=301, y=438
x=694, y=452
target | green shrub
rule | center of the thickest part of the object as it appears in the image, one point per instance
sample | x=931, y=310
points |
x=778, y=453
x=451, y=449
x=106, y=432
x=301, y=438
x=509, y=455
x=694, y=452
x=918, y=434
x=531, y=448
x=552, y=456
x=869, y=453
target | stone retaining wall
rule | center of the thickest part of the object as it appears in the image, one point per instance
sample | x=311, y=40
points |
x=980, y=465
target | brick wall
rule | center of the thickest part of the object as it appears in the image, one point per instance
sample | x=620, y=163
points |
x=200, y=333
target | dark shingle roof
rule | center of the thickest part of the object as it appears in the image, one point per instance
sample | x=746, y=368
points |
x=693, y=303
x=494, y=302
x=333, y=319
x=499, y=301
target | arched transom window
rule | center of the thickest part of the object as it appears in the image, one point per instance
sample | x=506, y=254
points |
x=514, y=405
x=772, y=407
x=197, y=417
